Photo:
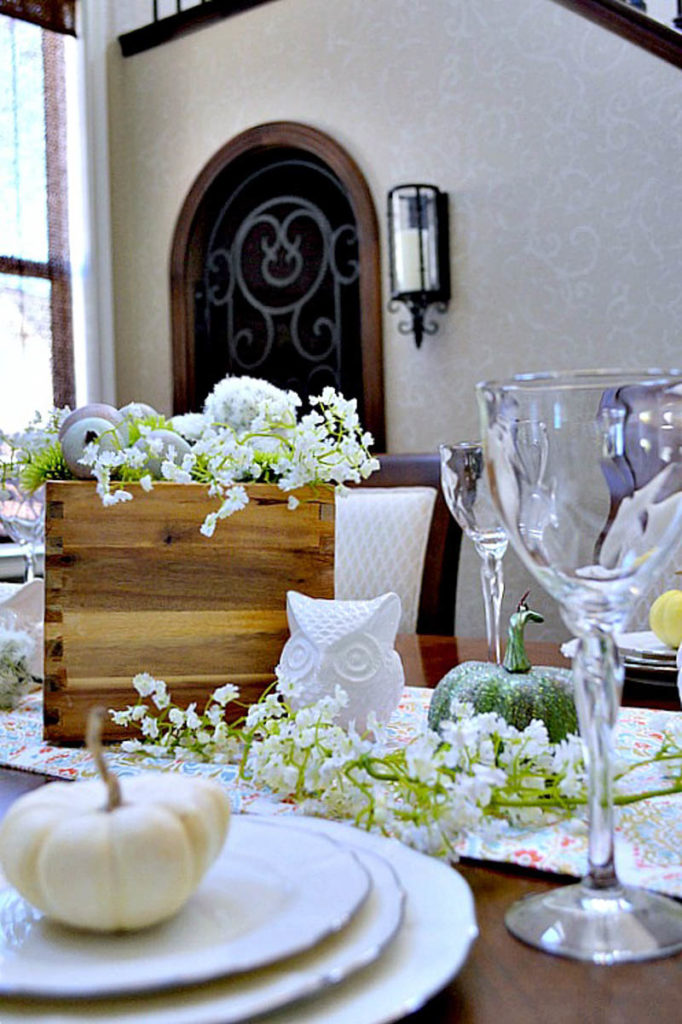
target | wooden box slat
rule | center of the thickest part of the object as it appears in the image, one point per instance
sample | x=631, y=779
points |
x=137, y=588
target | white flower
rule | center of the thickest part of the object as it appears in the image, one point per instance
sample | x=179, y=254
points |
x=244, y=403
x=131, y=746
x=145, y=684
x=192, y=719
x=190, y=425
x=478, y=773
x=224, y=694
x=214, y=714
x=419, y=755
x=160, y=696
x=249, y=430
x=150, y=727
x=209, y=524
x=170, y=470
x=115, y=497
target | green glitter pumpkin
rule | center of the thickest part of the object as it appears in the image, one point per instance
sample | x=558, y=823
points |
x=515, y=690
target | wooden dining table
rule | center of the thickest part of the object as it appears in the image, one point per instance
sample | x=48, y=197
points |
x=503, y=981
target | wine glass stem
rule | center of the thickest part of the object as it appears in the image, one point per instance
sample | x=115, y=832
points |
x=29, y=562
x=598, y=679
x=492, y=583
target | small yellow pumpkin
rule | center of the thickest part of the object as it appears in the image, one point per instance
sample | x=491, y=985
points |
x=665, y=618
x=117, y=864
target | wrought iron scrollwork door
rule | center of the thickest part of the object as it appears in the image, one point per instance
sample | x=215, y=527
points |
x=278, y=297
x=275, y=272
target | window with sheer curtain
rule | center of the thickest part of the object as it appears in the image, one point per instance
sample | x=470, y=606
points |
x=36, y=322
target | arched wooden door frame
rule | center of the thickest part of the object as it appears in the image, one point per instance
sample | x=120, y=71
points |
x=184, y=267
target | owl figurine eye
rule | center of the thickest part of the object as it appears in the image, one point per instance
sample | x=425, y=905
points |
x=350, y=644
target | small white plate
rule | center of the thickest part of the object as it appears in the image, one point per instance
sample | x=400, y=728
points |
x=425, y=955
x=639, y=650
x=272, y=893
x=644, y=647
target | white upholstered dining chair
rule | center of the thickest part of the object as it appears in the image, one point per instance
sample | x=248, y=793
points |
x=394, y=532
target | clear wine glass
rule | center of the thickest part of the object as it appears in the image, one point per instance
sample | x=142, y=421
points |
x=467, y=495
x=592, y=519
x=23, y=516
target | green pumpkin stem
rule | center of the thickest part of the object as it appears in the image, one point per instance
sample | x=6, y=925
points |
x=515, y=657
x=93, y=741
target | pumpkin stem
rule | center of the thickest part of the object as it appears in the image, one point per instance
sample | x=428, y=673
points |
x=93, y=741
x=515, y=657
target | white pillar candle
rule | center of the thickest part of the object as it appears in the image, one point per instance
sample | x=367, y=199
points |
x=408, y=262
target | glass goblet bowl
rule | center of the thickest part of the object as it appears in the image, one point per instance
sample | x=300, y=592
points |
x=467, y=495
x=585, y=469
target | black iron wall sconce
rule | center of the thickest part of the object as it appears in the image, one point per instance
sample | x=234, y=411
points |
x=418, y=254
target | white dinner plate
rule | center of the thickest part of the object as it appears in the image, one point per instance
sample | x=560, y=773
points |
x=429, y=949
x=273, y=892
x=644, y=648
x=642, y=653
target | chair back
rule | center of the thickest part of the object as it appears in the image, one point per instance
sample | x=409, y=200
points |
x=442, y=536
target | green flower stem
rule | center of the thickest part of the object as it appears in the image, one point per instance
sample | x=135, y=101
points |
x=657, y=758
x=556, y=802
x=382, y=790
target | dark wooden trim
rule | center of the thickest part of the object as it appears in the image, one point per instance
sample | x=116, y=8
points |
x=632, y=24
x=614, y=15
x=164, y=30
x=24, y=268
x=281, y=134
x=61, y=315
x=55, y=15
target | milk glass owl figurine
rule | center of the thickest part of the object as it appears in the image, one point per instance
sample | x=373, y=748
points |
x=349, y=643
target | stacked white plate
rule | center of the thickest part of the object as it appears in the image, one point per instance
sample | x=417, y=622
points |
x=300, y=920
x=646, y=658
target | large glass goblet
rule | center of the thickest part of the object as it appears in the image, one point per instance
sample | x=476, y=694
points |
x=592, y=520
x=23, y=516
x=467, y=495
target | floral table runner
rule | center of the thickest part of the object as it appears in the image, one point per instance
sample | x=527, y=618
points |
x=649, y=833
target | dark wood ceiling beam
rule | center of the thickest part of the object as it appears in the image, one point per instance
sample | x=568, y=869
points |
x=173, y=26
x=632, y=24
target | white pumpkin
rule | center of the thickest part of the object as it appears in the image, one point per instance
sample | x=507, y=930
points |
x=162, y=444
x=123, y=868
x=78, y=435
x=96, y=410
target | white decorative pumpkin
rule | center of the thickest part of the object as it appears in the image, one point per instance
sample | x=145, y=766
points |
x=94, y=410
x=123, y=868
x=162, y=444
x=78, y=436
x=344, y=643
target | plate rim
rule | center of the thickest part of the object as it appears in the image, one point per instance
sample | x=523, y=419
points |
x=405, y=952
x=178, y=973
x=628, y=648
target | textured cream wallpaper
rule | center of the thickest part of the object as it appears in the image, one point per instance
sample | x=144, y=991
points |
x=559, y=144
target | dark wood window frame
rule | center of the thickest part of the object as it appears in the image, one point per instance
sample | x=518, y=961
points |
x=185, y=268
x=57, y=268
x=57, y=15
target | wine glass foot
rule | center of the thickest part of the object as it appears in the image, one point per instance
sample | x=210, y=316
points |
x=608, y=927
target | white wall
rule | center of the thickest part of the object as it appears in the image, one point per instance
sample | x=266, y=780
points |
x=559, y=143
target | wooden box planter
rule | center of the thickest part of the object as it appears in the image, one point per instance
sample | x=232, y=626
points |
x=137, y=588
